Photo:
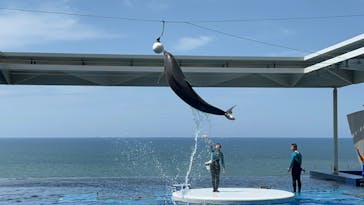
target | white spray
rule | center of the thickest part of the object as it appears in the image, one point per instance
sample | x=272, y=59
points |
x=198, y=118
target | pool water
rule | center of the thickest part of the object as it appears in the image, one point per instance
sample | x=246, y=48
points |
x=152, y=190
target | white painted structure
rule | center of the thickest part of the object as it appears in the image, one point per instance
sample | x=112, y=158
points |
x=356, y=125
x=232, y=196
x=336, y=66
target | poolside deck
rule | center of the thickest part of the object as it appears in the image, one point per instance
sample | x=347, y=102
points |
x=233, y=196
x=347, y=177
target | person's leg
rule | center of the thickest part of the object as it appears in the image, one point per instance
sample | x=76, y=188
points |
x=299, y=182
x=217, y=177
x=214, y=176
x=294, y=182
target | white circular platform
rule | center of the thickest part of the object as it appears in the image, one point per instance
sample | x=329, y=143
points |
x=232, y=195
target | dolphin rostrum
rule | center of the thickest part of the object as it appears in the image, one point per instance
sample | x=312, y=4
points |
x=176, y=80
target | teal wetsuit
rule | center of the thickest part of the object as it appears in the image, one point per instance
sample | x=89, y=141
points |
x=295, y=165
x=296, y=160
x=216, y=158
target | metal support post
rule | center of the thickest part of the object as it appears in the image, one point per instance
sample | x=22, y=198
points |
x=336, y=143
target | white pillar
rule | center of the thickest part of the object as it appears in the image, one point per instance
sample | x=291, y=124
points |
x=336, y=143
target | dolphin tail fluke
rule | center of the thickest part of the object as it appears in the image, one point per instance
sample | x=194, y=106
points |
x=229, y=113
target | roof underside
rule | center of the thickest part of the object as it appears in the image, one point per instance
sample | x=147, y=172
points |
x=337, y=66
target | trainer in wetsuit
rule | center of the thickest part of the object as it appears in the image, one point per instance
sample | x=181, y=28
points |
x=216, y=157
x=295, y=167
x=362, y=161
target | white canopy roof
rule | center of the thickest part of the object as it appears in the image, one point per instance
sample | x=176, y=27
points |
x=336, y=66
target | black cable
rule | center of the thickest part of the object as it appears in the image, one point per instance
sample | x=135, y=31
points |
x=160, y=36
x=278, y=19
x=184, y=21
x=256, y=41
x=82, y=15
x=245, y=38
x=193, y=23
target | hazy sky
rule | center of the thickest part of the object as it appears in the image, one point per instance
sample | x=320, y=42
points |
x=61, y=111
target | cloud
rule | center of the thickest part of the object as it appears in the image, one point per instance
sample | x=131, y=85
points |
x=21, y=29
x=189, y=43
x=287, y=31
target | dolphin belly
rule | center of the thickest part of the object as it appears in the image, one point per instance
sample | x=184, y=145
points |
x=188, y=95
x=184, y=90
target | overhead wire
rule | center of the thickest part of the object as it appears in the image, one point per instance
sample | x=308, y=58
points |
x=298, y=18
x=81, y=15
x=244, y=38
x=263, y=42
x=162, y=33
x=197, y=23
x=191, y=21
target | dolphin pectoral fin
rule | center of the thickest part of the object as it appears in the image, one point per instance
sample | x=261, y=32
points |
x=229, y=113
x=160, y=77
x=189, y=84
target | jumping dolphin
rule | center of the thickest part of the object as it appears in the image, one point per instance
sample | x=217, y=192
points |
x=176, y=80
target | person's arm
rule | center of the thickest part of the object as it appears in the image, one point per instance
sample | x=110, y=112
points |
x=211, y=148
x=293, y=155
x=222, y=161
x=302, y=169
x=209, y=143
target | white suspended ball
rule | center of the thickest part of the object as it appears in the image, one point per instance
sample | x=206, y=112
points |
x=158, y=47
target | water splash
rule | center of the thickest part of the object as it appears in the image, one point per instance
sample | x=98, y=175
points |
x=197, y=132
x=198, y=118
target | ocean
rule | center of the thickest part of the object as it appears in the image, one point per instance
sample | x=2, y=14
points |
x=142, y=170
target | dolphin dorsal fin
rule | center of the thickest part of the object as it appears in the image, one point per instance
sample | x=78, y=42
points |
x=188, y=83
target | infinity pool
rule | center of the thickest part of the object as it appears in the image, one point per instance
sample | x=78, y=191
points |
x=151, y=190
